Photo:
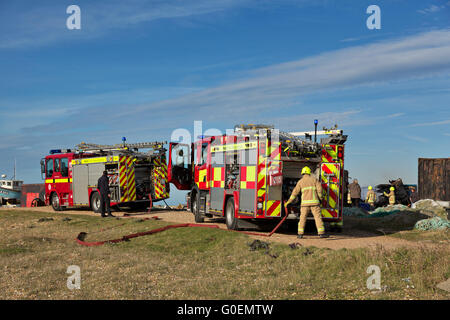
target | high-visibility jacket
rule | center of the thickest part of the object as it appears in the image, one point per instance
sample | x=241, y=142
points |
x=371, y=197
x=311, y=191
x=391, y=196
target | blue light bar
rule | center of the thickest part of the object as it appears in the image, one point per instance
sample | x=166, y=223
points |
x=53, y=151
x=316, y=121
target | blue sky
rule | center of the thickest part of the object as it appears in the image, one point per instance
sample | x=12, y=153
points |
x=141, y=69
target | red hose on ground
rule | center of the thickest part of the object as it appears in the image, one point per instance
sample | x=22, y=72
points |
x=265, y=234
x=82, y=235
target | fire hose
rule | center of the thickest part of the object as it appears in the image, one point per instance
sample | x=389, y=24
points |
x=82, y=235
x=151, y=203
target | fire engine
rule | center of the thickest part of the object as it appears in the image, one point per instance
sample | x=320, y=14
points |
x=246, y=177
x=135, y=177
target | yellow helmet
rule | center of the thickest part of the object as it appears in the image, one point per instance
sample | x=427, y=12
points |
x=392, y=188
x=306, y=170
x=370, y=188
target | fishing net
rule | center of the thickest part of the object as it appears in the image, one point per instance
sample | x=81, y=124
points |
x=355, y=212
x=436, y=223
x=385, y=211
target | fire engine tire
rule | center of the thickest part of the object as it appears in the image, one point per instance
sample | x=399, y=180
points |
x=95, y=202
x=230, y=219
x=35, y=202
x=55, y=202
x=195, y=209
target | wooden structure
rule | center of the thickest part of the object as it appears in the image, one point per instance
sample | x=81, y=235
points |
x=434, y=179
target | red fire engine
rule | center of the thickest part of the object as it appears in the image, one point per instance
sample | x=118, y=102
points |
x=135, y=178
x=247, y=176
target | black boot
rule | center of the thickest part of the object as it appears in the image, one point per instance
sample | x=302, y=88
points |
x=324, y=235
x=110, y=215
x=300, y=236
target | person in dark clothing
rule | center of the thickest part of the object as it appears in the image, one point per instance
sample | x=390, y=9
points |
x=355, y=192
x=105, y=194
x=414, y=197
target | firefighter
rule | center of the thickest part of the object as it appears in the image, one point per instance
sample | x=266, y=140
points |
x=371, y=197
x=391, y=196
x=105, y=194
x=311, y=191
x=355, y=192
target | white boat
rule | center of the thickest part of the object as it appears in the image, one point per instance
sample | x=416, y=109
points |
x=10, y=189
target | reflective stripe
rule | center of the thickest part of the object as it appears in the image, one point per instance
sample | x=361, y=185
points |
x=321, y=229
x=234, y=146
x=314, y=192
x=310, y=201
x=62, y=180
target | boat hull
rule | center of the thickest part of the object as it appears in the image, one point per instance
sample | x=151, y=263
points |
x=8, y=194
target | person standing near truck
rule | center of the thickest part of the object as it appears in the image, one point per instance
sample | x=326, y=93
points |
x=355, y=193
x=371, y=197
x=105, y=194
x=311, y=191
x=391, y=196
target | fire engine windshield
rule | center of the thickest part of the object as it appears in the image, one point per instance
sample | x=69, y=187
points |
x=49, y=168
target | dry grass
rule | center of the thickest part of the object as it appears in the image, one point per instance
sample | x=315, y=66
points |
x=197, y=263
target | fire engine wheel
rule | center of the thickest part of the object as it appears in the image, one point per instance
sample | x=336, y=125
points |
x=35, y=202
x=230, y=219
x=195, y=209
x=55, y=202
x=95, y=202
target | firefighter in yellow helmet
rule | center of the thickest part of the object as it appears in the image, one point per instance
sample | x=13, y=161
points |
x=391, y=196
x=311, y=191
x=371, y=196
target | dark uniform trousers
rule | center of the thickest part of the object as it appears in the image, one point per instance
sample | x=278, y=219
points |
x=105, y=204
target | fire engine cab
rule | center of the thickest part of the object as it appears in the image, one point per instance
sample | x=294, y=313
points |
x=135, y=178
x=247, y=176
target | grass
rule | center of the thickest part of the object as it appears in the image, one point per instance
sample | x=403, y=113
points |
x=197, y=263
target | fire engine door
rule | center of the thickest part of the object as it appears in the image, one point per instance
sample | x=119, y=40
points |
x=330, y=179
x=202, y=161
x=180, y=166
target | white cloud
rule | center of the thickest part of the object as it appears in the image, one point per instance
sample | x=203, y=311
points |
x=415, y=138
x=434, y=8
x=433, y=123
x=268, y=92
x=280, y=86
x=26, y=26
